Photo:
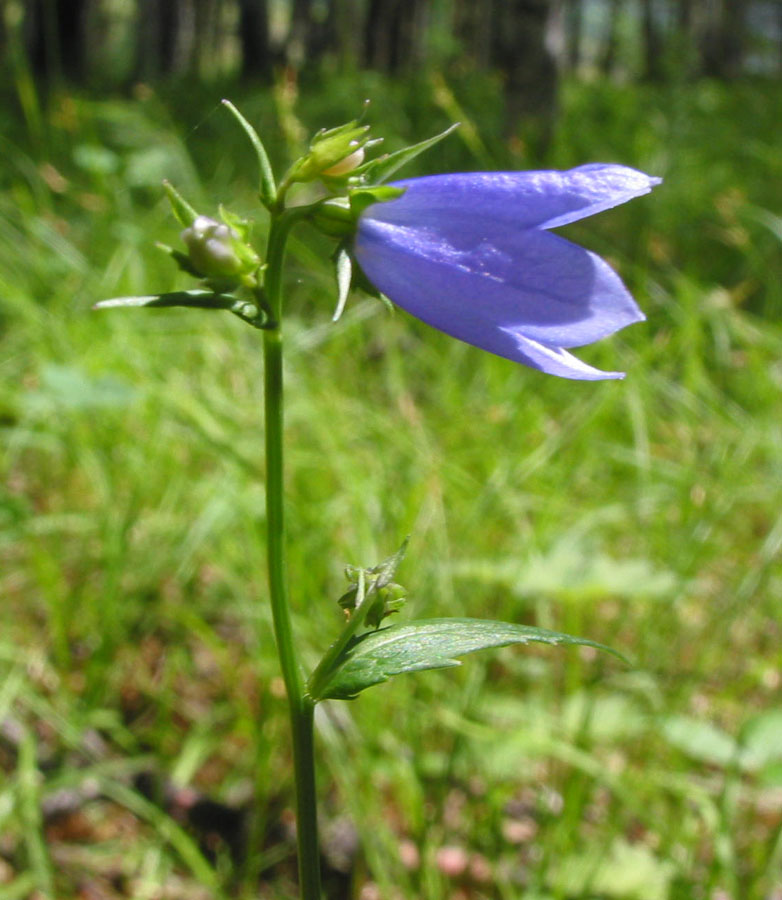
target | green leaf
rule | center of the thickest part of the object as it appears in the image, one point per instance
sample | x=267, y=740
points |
x=376, y=656
x=197, y=299
x=384, y=167
x=700, y=740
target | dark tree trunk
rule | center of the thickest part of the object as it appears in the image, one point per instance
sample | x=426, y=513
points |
x=574, y=23
x=160, y=33
x=779, y=35
x=348, y=31
x=313, y=32
x=683, y=16
x=473, y=29
x=652, y=46
x=519, y=50
x=607, y=59
x=254, y=36
x=57, y=38
x=723, y=40
x=394, y=34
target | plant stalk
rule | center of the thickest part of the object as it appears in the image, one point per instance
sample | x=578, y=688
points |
x=301, y=707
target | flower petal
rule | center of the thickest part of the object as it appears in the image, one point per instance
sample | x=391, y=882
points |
x=503, y=200
x=528, y=282
x=556, y=361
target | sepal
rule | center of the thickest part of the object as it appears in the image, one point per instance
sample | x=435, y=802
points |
x=373, y=591
x=343, y=266
x=376, y=171
x=183, y=211
x=266, y=188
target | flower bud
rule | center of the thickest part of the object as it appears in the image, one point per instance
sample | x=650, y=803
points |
x=346, y=165
x=215, y=250
x=332, y=153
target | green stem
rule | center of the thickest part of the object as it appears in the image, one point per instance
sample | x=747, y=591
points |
x=322, y=673
x=300, y=705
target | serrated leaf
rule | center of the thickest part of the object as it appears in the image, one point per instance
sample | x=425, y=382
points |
x=376, y=656
x=380, y=170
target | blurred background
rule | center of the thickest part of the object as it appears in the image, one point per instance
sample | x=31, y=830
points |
x=143, y=731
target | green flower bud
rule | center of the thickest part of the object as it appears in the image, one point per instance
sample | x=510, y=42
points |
x=333, y=153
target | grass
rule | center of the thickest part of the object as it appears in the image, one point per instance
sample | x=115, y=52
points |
x=144, y=742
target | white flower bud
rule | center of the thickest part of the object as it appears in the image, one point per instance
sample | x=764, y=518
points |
x=211, y=248
x=347, y=164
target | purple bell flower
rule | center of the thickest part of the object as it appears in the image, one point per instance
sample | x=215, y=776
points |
x=472, y=255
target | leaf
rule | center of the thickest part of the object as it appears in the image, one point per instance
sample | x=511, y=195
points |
x=761, y=740
x=197, y=299
x=383, y=168
x=376, y=656
x=700, y=740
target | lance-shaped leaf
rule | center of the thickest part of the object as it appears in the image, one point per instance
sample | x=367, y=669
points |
x=197, y=299
x=376, y=656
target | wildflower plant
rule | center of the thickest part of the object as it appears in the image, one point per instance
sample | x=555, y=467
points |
x=470, y=254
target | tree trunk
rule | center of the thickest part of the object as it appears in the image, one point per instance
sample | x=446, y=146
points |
x=574, y=23
x=723, y=40
x=520, y=52
x=56, y=32
x=607, y=60
x=652, y=46
x=473, y=30
x=254, y=36
x=394, y=34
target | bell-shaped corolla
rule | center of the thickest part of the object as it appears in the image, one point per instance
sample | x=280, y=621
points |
x=473, y=255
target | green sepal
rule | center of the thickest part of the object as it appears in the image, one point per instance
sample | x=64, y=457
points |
x=183, y=211
x=375, y=656
x=181, y=259
x=338, y=216
x=343, y=267
x=363, y=197
x=376, y=171
x=383, y=573
x=266, y=188
x=248, y=311
x=372, y=592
